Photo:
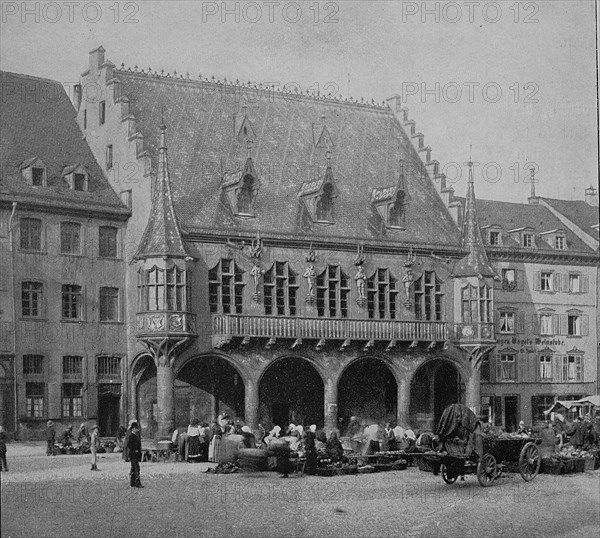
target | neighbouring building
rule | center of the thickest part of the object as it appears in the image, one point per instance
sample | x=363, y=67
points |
x=62, y=284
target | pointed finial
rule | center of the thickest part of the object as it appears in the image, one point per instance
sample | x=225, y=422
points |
x=532, y=170
x=249, y=147
x=470, y=163
x=328, y=156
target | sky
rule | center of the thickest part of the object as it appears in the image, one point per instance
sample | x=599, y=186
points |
x=515, y=80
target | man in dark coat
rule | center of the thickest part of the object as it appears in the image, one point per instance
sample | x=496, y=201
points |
x=133, y=451
x=50, y=438
x=577, y=433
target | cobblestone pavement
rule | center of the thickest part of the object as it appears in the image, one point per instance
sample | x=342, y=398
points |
x=59, y=496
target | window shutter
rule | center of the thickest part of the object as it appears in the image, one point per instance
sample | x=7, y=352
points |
x=520, y=277
x=584, y=283
x=537, y=280
x=565, y=282
x=497, y=410
x=556, y=324
x=556, y=281
x=585, y=325
x=535, y=323
x=498, y=369
x=520, y=322
x=556, y=368
x=564, y=324
x=521, y=368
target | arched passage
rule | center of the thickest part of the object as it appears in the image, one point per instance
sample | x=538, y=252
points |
x=367, y=389
x=206, y=387
x=435, y=385
x=291, y=390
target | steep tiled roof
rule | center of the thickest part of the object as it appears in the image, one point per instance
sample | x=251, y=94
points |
x=368, y=143
x=38, y=121
x=511, y=216
x=577, y=211
x=162, y=236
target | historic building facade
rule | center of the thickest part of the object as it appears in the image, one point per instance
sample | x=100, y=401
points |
x=286, y=267
x=281, y=257
x=62, y=292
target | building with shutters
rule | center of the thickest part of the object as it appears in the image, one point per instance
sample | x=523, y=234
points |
x=62, y=284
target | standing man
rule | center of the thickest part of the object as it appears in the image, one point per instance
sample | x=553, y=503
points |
x=133, y=451
x=50, y=438
x=94, y=446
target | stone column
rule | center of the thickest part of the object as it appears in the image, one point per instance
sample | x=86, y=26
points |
x=403, y=409
x=164, y=397
x=473, y=390
x=251, y=404
x=331, y=405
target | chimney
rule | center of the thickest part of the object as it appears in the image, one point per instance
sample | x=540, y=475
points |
x=591, y=196
x=97, y=58
x=447, y=195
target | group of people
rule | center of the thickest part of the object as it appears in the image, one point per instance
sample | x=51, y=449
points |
x=366, y=439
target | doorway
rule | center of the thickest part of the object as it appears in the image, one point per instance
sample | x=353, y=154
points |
x=511, y=413
x=109, y=404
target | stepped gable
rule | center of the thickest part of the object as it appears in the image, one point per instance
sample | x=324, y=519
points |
x=204, y=145
x=39, y=122
x=512, y=216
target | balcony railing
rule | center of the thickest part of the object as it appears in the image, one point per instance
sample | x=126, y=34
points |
x=165, y=324
x=6, y=335
x=473, y=332
x=227, y=326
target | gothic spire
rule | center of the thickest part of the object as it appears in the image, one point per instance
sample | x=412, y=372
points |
x=476, y=262
x=162, y=236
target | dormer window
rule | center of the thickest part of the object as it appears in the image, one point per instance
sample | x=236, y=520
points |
x=325, y=204
x=77, y=177
x=559, y=242
x=528, y=240
x=494, y=238
x=34, y=172
x=245, y=195
x=396, y=213
x=390, y=203
x=241, y=189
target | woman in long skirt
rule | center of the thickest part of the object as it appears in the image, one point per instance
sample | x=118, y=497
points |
x=193, y=432
x=215, y=442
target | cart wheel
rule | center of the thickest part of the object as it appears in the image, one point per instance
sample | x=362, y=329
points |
x=448, y=478
x=487, y=470
x=529, y=461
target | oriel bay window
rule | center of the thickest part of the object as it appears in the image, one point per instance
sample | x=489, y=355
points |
x=428, y=297
x=382, y=295
x=333, y=290
x=280, y=286
x=476, y=304
x=164, y=289
x=226, y=288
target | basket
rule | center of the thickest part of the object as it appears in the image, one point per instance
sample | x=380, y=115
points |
x=589, y=462
x=328, y=471
x=552, y=466
x=569, y=465
x=379, y=467
x=349, y=469
x=579, y=465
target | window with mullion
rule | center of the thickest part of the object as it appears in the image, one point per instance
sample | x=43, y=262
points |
x=428, y=297
x=71, y=301
x=70, y=238
x=34, y=399
x=226, y=288
x=333, y=290
x=72, y=400
x=31, y=299
x=382, y=294
x=30, y=234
